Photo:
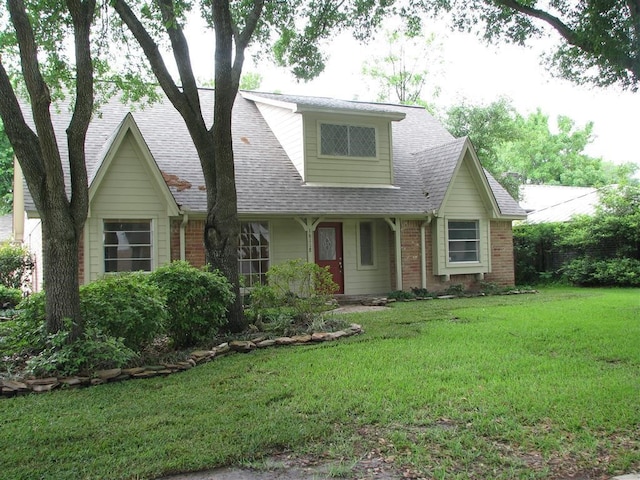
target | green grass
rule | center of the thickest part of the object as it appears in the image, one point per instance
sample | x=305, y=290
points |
x=527, y=386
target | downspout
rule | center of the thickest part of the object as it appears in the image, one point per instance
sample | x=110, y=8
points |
x=423, y=251
x=183, y=228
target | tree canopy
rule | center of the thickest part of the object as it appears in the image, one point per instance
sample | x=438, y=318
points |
x=600, y=40
x=519, y=149
x=409, y=65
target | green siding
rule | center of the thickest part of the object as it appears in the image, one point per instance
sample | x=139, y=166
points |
x=127, y=191
x=466, y=200
x=369, y=280
x=346, y=171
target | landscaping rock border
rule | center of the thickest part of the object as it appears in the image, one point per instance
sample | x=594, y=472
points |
x=23, y=386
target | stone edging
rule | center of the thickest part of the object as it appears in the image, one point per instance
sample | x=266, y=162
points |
x=19, y=386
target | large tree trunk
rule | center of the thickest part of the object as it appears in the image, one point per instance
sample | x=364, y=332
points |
x=61, y=280
x=222, y=227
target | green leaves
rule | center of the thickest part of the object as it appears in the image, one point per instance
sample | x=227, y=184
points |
x=519, y=149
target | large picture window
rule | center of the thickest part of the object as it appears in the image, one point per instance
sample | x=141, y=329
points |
x=253, y=252
x=127, y=245
x=464, y=241
x=347, y=141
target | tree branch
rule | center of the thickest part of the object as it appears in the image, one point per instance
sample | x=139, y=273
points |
x=152, y=52
x=39, y=94
x=23, y=140
x=243, y=38
x=618, y=59
x=180, y=49
x=82, y=14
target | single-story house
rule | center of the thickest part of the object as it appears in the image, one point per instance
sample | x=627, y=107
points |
x=380, y=193
x=557, y=203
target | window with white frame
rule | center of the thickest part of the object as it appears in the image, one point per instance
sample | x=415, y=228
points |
x=253, y=253
x=366, y=245
x=347, y=141
x=128, y=245
x=464, y=241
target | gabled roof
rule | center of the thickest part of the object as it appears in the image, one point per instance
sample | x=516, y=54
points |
x=267, y=181
x=110, y=149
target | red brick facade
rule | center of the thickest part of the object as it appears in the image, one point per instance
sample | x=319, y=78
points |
x=194, y=242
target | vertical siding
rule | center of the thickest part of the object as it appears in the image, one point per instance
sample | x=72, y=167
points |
x=287, y=127
x=342, y=170
x=127, y=191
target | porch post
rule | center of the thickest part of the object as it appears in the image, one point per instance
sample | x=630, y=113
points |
x=309, y=226
x=395, y=225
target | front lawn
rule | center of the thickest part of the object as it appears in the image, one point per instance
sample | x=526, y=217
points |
x=526, y=386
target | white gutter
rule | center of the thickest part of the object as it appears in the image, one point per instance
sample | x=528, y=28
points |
x=183, y=227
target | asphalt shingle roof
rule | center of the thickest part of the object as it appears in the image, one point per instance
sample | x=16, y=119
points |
x=267, y=182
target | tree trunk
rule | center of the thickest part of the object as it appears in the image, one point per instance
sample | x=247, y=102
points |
x=61, y=279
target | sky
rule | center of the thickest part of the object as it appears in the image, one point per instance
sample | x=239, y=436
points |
x=471, y=71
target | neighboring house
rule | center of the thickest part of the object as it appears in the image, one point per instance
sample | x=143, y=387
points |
x=557, y=203
x=381, y=194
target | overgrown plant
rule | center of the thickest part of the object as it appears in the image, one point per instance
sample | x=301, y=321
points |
x=94, y=350
x=16, y=266
x=306, y=289
x=197, y=301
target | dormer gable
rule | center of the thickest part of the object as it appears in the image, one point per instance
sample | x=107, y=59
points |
x=333, y=142
x=128, y=138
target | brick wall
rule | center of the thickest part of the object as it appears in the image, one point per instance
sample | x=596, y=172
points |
x=502, y=263
x=410, y=246
x=194, y=242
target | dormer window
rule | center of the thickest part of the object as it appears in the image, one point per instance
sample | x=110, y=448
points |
x=347, y=141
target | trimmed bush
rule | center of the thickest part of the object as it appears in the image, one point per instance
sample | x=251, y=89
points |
x=16, y=266
x=197, y=301
x=26, y=333
x=125, y=306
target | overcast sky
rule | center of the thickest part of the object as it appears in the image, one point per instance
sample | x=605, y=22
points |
x=471, y=71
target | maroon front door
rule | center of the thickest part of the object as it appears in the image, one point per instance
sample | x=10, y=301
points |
x=328, y=241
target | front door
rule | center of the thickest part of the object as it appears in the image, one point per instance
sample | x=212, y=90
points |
x=328, y=242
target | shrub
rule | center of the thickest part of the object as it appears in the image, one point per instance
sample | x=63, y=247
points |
x=9, y=297
x=455, y=289
x=304, y=288
x=125, y=306
x=93, y=351
x=16, y=266
x=27, y=333
x=197, y=301
x=420, y=292
x=622, y=272
x=401, y=295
